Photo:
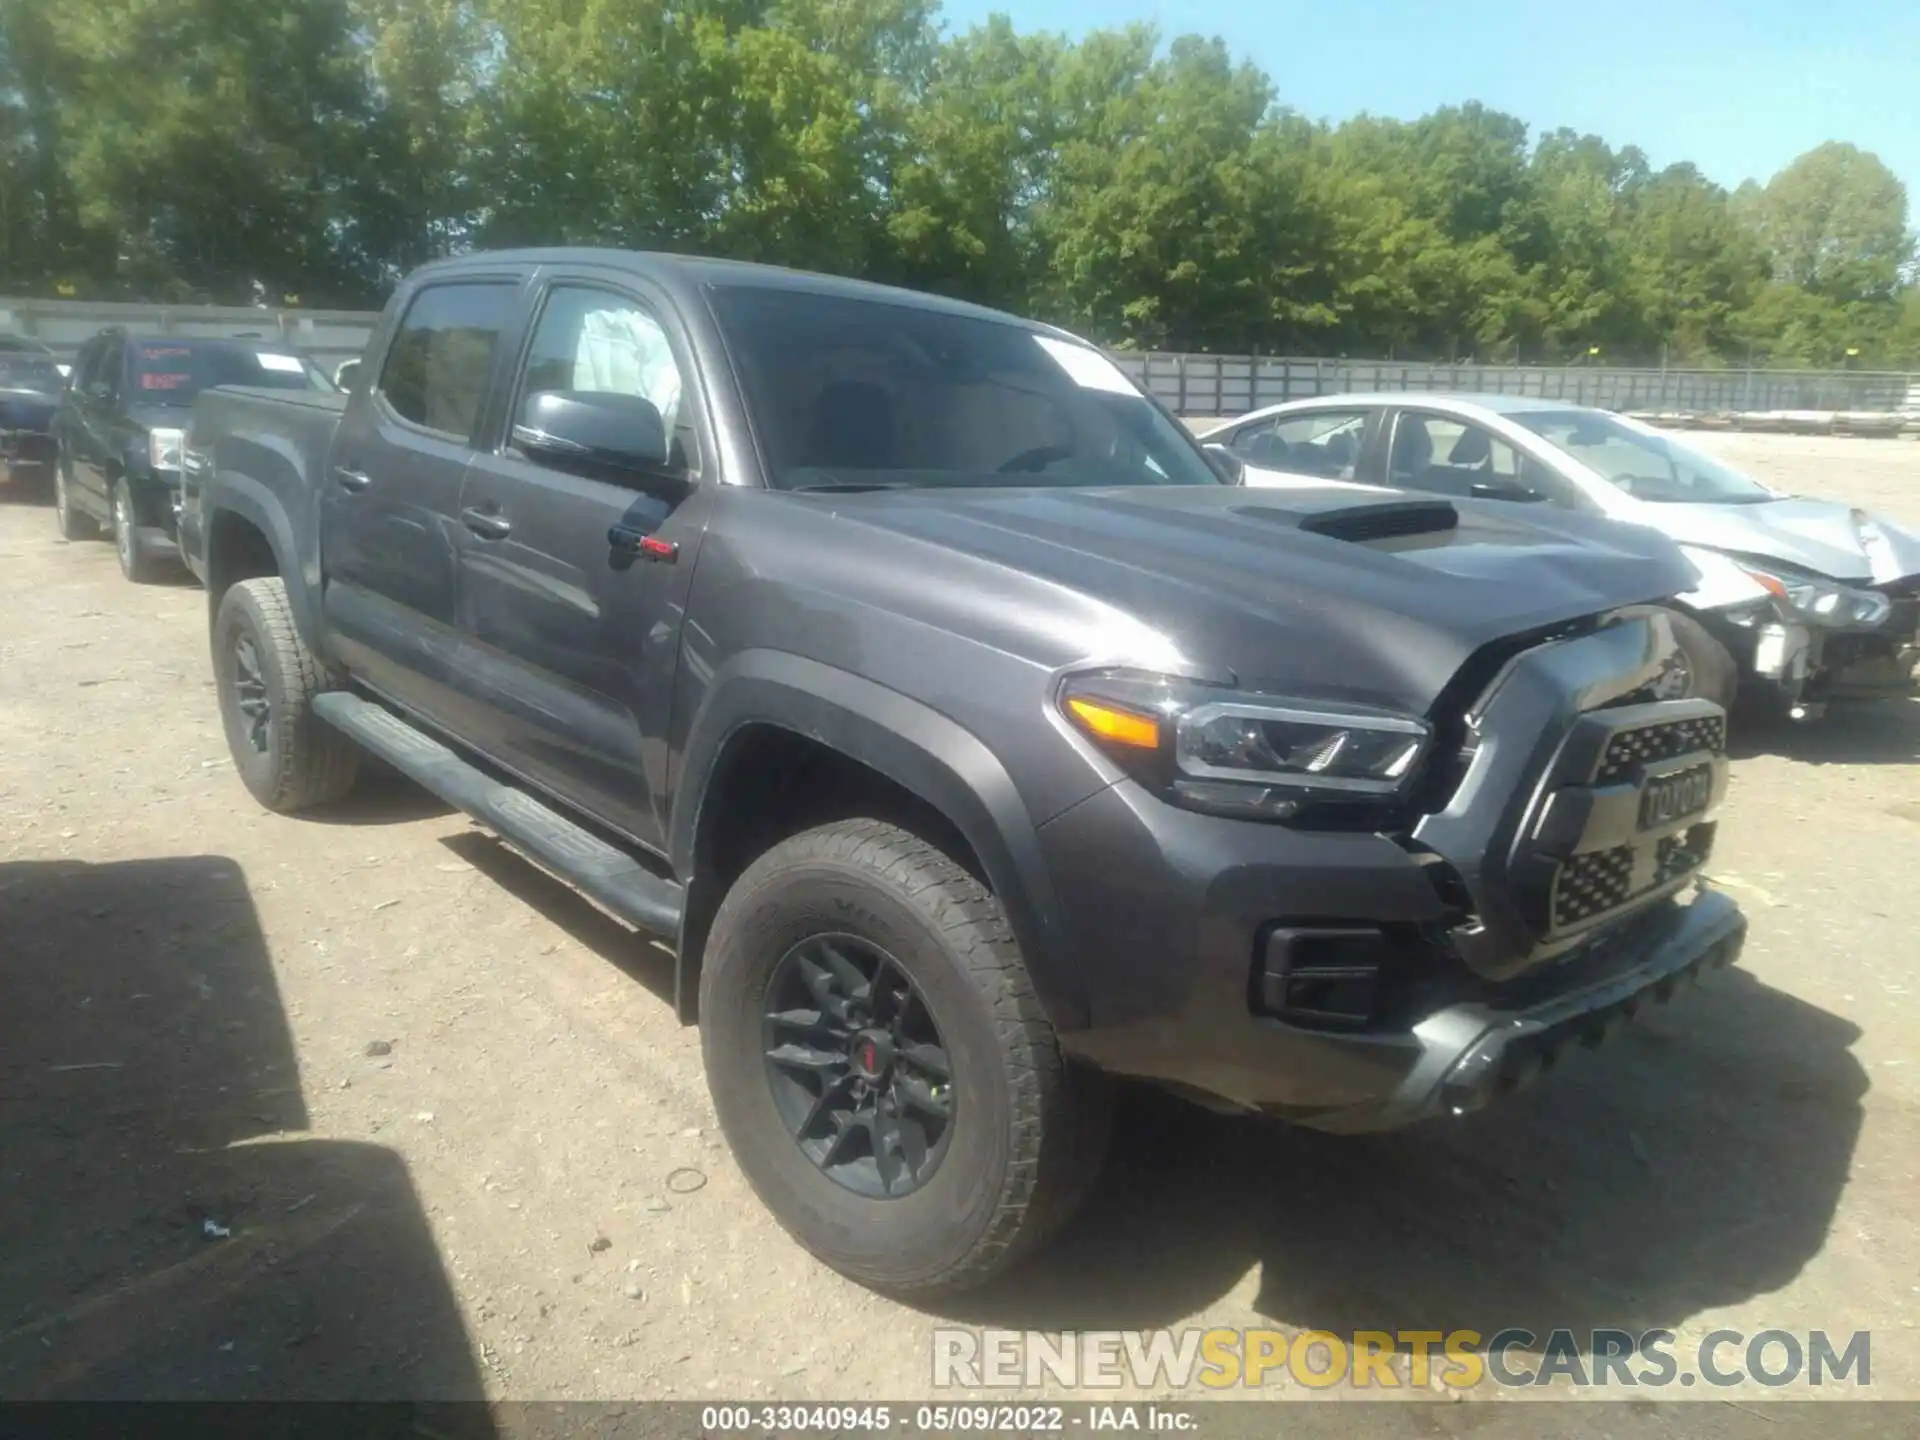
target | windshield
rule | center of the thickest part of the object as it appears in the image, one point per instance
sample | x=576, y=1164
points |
x=30, y=372
x=173, y=372
x=1647, y=467
x=853, y=394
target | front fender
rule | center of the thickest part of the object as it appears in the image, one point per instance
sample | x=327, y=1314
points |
x=917, y=748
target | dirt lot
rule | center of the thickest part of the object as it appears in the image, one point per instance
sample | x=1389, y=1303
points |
x=461, y=1145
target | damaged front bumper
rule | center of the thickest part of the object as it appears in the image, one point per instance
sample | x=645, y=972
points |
x=1802, y=665
x=1472, y=1053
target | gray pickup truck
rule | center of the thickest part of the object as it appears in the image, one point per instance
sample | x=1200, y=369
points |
x=970, y=733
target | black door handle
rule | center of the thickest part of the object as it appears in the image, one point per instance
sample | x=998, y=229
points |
x=486, y=524
x=352, y=481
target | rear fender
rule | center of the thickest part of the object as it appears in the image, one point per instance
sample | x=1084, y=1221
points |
x=250, y=501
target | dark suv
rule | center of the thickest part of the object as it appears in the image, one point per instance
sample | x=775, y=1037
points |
x=30, y=386
x=118, y=434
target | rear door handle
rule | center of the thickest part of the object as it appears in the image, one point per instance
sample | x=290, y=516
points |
x=486, y=524
x=352, y=481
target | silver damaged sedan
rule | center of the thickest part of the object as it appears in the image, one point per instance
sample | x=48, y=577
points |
x=1813, y=600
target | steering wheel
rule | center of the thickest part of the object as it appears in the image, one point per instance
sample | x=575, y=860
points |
x=1035, y=460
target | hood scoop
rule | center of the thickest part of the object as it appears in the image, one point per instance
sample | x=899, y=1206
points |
x=1358, y=524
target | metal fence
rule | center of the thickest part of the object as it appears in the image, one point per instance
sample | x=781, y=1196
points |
x=328, y=336
x=1228, y=385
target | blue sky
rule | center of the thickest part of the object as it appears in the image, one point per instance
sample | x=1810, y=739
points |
x=1737, y=88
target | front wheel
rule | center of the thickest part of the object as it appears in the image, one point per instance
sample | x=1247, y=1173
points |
x=287, y=756
x=135, y=563
x=881, y=1066
x=1715, y=675
x=73, y=524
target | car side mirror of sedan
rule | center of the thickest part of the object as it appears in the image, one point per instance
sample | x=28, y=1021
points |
x=1229, y=466
x=1505, y=490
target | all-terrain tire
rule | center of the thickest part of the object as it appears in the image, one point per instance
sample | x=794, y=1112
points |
x=1029, y=1128
x=292, y=760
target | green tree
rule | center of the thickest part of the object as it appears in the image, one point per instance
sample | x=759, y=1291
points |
x=1835, y=221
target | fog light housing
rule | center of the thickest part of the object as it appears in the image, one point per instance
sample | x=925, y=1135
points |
x=1322, y=976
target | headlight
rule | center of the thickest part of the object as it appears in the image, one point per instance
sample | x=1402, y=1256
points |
x=1255, y=756
x=1823, y=601
x=163, y=449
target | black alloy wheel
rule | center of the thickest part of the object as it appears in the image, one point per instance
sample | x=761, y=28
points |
x=857, y=1066
x=250, y=693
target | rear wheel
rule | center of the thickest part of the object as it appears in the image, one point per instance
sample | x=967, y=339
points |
x=287, y=756
x=74, y=525
x=881, y=1066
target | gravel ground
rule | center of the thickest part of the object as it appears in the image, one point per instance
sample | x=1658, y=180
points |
x=364, y=1105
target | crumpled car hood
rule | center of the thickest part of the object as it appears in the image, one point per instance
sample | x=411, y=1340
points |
x=1823, y=536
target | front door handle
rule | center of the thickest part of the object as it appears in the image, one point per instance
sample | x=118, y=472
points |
x=487, y=524
x=629, y=541
x=352, y=481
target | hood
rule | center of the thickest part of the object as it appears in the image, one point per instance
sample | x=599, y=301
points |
x=27, y=409
x=159, y=417
x=1823, y=536
x=1377, y=597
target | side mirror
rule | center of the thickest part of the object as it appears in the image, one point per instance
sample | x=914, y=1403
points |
x=571, y=429
x=347, y=376
x=1505, y=490
x=1229, y=466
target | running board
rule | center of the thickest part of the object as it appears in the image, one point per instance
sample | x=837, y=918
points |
x=606, y=874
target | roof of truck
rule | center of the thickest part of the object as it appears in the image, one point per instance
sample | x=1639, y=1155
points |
x=695, y=271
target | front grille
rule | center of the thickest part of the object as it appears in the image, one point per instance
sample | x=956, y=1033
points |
x=1678, y=854
x=1663, y=740
x=1592, y=884
x=1602, y=880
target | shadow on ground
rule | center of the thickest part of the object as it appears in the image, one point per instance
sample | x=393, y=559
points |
x=1695, y=1163
x=1863, y=732
x=639, y=956
x=381, y=796
x=149, y=1101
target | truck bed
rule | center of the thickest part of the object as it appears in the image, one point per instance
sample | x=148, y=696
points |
x=266, y=452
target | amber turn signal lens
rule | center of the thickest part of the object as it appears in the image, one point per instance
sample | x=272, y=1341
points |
x=1123, y=727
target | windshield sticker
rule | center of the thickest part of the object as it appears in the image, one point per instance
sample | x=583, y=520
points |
x=163, y=352
x=282, y=364
x=164, y=380
x=1087, y=368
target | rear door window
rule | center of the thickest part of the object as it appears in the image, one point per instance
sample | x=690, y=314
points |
x=1325, y=444
x=437, y=368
